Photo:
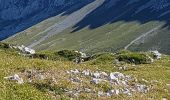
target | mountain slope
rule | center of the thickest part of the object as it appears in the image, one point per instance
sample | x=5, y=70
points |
x=60, y=79
x=102, y=25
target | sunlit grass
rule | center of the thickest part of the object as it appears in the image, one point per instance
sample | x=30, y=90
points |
x=11, y=64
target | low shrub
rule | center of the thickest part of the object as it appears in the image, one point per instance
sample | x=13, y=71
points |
x=68, y=54
x=102, y=58
x=4, y=45
x=44, y=87
x=133, y=57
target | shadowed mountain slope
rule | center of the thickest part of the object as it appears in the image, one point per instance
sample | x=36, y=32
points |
x=98, y=25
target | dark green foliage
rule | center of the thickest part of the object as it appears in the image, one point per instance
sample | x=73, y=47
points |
x=44, y=87
x=133, y=57
x=8, y=48
x=41, y=56
x=47, y=55
x=4, y=45
x=68, y=54
x=102, y=58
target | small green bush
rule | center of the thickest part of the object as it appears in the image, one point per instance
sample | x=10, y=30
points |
x=68, y=54
x=44, y=87
x=4, y=45
x=102, y=58
x=47, y=55
x=133, y=57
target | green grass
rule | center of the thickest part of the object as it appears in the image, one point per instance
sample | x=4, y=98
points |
x=11, y=63
x=134, y=57
x=109, y=37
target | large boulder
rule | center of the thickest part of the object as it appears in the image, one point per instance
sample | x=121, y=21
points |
x=26, y=50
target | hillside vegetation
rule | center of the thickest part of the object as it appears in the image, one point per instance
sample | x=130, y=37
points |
x=56, y=79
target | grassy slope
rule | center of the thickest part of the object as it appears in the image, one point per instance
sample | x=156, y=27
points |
x=114, y=36
x=35, y=32
x=158, y=40
x=11, y=64
x=110, y=37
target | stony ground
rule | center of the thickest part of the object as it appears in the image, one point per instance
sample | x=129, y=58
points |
x=22, y=78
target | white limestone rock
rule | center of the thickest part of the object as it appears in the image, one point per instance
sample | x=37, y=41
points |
x=76, y=80
x=96, y=75
x=26, y=50
x=76, y=71
x=116, y=76
x=15, y=78
x=100, y=93
x=142, y=88
x=86, y=72
x=156, y=54
x=96, y=81
x=87, y=90
x=104, y=74
x=127, y=91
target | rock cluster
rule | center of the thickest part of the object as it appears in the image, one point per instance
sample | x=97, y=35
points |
x=156, y=54
x=83, y=57
x=114, y=79
x=26, y=50
x=27, y=76
x=32, y=75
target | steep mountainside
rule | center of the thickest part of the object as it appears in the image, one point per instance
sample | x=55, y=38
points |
x=87, y=25
x=17, y=15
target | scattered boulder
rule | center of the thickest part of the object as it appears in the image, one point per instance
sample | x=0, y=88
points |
x=86, y=72
x=118, y=83
x=81, y=58
x=164, y=99
x=104, y=74
x=122, y=68
x=76, y=80
x=156, y=54
x=78, y=60
x=96, y=75
x=87, y=90
x=127, y=91
x=83, y=55
x=116, y=76
x=142, y=88
x=100, y=93
x=76, y=71
x=15, y=78
x=26, y=50
x=113, y=92
x=96, y=81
